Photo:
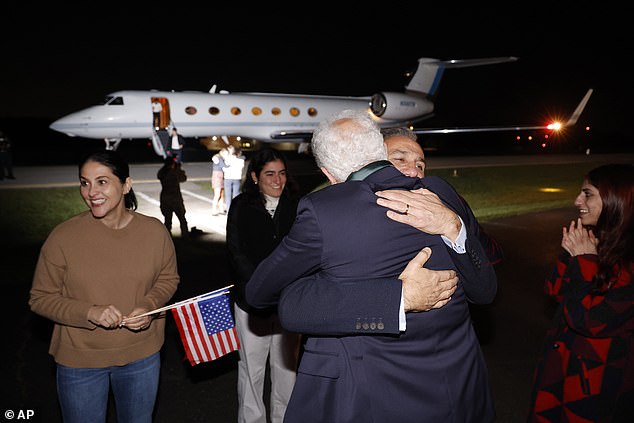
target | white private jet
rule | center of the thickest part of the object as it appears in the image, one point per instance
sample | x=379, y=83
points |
x=266, y=117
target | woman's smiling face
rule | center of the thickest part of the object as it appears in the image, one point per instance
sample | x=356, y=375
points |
x=589, y=204
x=102, y=190
x=272, y=178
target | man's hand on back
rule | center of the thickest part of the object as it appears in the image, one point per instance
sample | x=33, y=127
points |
x=425, y=289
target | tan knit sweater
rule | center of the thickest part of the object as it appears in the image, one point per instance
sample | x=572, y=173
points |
x=85, y=263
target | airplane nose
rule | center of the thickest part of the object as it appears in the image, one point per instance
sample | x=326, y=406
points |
x=55, y=126
x=64, y=125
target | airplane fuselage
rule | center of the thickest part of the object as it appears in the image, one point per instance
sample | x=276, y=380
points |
x=261, y=116
x=266, y=117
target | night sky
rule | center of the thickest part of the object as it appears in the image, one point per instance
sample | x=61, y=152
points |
x=58, y=59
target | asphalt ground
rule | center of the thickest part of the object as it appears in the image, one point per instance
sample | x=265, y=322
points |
x=510, y=330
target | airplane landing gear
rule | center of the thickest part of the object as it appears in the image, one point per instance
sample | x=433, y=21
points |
x=112, y=143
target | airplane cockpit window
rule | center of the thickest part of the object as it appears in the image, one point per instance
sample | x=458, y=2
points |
x=190, y=110
x=111, y=100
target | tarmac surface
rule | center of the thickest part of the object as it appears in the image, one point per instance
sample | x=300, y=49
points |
x=510, y=330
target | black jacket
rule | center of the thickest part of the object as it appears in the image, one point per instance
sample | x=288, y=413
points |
x=252, y=235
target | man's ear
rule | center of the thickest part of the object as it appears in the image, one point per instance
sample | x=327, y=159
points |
x=328, y=175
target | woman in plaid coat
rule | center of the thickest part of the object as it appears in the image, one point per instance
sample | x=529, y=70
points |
x=586, y=371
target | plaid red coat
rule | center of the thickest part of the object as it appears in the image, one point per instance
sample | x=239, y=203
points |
x=586, y=370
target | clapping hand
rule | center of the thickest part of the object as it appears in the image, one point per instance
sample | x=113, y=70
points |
x=578, y=240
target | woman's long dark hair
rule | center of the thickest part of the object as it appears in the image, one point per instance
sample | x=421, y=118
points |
x=615, y=226
x=119, y=168
x=256, y=163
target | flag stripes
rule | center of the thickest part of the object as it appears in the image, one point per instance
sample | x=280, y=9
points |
x=206, y=328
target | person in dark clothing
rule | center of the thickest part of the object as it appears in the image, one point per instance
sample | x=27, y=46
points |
x=171, y=176
x=6, y=158
x=425, y=367
x=177, y=142
x=258, y=219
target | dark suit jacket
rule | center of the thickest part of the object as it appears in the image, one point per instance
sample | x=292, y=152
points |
x=319, y=306
x=432, y=372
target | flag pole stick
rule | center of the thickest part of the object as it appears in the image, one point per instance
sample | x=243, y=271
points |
x=211, y=294
x=192, y=299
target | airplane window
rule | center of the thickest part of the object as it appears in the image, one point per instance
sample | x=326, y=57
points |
x=235, y=111
x=275, y=111
x=312, y=112
x=214, y=111
x=294, y=111
x=191, y=110
x=117, y=101
x=256, y=111
x=106, y=100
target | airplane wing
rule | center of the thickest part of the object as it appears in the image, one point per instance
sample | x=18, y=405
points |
x=572, y=120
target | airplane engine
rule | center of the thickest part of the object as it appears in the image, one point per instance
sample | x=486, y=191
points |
x=399, y=106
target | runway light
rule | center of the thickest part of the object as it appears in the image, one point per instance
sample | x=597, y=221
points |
x=551, y=190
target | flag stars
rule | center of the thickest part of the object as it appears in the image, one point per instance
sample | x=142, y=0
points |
x=216, y=314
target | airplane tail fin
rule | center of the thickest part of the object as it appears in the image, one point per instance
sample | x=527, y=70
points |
x=582, y=105
x=426, y=79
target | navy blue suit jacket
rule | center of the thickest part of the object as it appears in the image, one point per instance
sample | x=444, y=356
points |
x=319, y=306
x=434, y=370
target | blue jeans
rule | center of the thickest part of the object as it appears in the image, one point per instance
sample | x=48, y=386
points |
x=232, y=189
x=83, y=393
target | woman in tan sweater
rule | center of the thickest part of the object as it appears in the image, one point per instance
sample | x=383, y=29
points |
x=95, y=272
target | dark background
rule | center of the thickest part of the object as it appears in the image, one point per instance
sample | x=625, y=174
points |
x=59, y=58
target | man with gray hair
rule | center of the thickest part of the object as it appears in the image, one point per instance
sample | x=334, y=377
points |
x=433, y=369
x=305, y=306
x=363, y=144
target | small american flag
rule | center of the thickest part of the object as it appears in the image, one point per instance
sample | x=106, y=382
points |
x=206, y=328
